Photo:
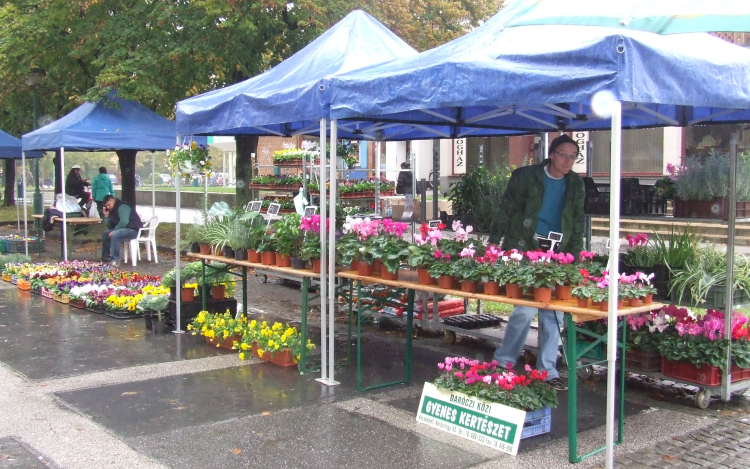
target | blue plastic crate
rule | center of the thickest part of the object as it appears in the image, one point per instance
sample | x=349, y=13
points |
x=537, y=422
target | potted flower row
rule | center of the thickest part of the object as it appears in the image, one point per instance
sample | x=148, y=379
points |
x=277, y=343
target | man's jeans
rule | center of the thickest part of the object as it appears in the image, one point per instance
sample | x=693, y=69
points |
x=113, y=244
x=515, y=338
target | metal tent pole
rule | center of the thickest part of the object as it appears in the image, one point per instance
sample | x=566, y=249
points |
x=726, y=381
x=177, y=279
x=23, y=200
x=377, y=178
x=64, y=211
x=332, y=257
x=614, y=234
x=153, y=185
x=323, y=257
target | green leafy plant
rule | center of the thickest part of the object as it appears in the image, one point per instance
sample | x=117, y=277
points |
x=707, y=177
x=287, y=235
x=707, y=270
x=474, y=198
x=390, y=249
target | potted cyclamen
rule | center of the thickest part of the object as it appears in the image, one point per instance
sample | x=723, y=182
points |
x=422, y=252
x=442, y=269
x=569, y=273
x=465, y=269
x=583, y=293
x=490, y=270
x=390, y=248
x=310, y=249
x=365, y=229
x=643, y=288
x=543, y=274
x=511, y=273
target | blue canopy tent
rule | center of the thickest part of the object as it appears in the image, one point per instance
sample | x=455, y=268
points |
x=10, y=148
x=114, y=125
x=543, y=78
x=287, y=101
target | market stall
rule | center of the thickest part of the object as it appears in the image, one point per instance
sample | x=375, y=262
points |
x=511, y=78
x=104, y=126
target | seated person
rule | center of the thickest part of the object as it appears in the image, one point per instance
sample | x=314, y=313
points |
x=122, y=223
x=74, y=185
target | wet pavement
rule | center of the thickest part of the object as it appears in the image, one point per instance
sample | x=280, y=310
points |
x=89, y=391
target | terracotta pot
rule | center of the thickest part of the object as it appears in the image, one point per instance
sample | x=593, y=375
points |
x=445, y=281
x=542, y=294
x=423, y=277
x=491, y=288
x=218, y=292
x=316, y=265
x=386, y=275
x=562, y=292
x=376, y=265
x=583, y=302
x=513, y=290
x=253, y=256
x=282, y=260
x=354, y=265
x=364, y=269
x=281, y=357
x=634, y=301
x=187, y=294
x=598, y=304
x=268, y=258
x=204, y=248
x=648, y=299
x=469, y=286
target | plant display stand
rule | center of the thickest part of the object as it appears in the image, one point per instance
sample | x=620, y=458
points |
x=573, y=315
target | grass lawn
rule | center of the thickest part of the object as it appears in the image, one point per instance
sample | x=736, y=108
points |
x=163, y=188
x=491, y=307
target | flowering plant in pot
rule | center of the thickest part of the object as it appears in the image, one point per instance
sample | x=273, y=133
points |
x=187, y=158
x=389, y=247
x=273, y=340
x=442, y=269
x=466, y=269
x=645, y=329
x=489, y=269
x=422, y=252
x=696, y=339
x=542, y=271
x=459, y=241
x=310, y=229
x=492, y=383
x=642, y=286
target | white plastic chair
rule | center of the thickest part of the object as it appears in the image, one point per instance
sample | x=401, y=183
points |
x=146, y=235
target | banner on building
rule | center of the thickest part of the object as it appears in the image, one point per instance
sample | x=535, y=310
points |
x=582, y=139
x=459, y=156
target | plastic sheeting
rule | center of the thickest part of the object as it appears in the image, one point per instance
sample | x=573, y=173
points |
x=104, y=127
x=289, y=98
x=10, y=148
x=656, y=16
x=543, y=78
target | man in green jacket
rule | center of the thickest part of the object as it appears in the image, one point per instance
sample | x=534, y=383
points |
x=101, y=187
x=543, y=198
x=122, y=223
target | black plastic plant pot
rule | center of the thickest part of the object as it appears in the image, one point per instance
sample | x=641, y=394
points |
x=240, y=254
x=298, y=263
x=159, y=326
x=228, y=252
x=195, y=248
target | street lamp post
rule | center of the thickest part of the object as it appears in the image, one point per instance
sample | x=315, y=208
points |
x=34, y=79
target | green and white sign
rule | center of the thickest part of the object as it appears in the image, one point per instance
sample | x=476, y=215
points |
x=491, y=424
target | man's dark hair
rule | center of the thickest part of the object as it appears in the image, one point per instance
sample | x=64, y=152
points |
x=108, y=197
x=564, y=138
x=103, y=170
x=404, y=165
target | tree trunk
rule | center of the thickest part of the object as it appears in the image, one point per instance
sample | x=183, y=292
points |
x=127, y=170
x=10, y=183
x=59, y=181
x=246, y=146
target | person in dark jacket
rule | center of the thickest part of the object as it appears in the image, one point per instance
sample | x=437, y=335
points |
x=122, y=223
x=404, y=181
x=543, y=198
x=74, y=185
